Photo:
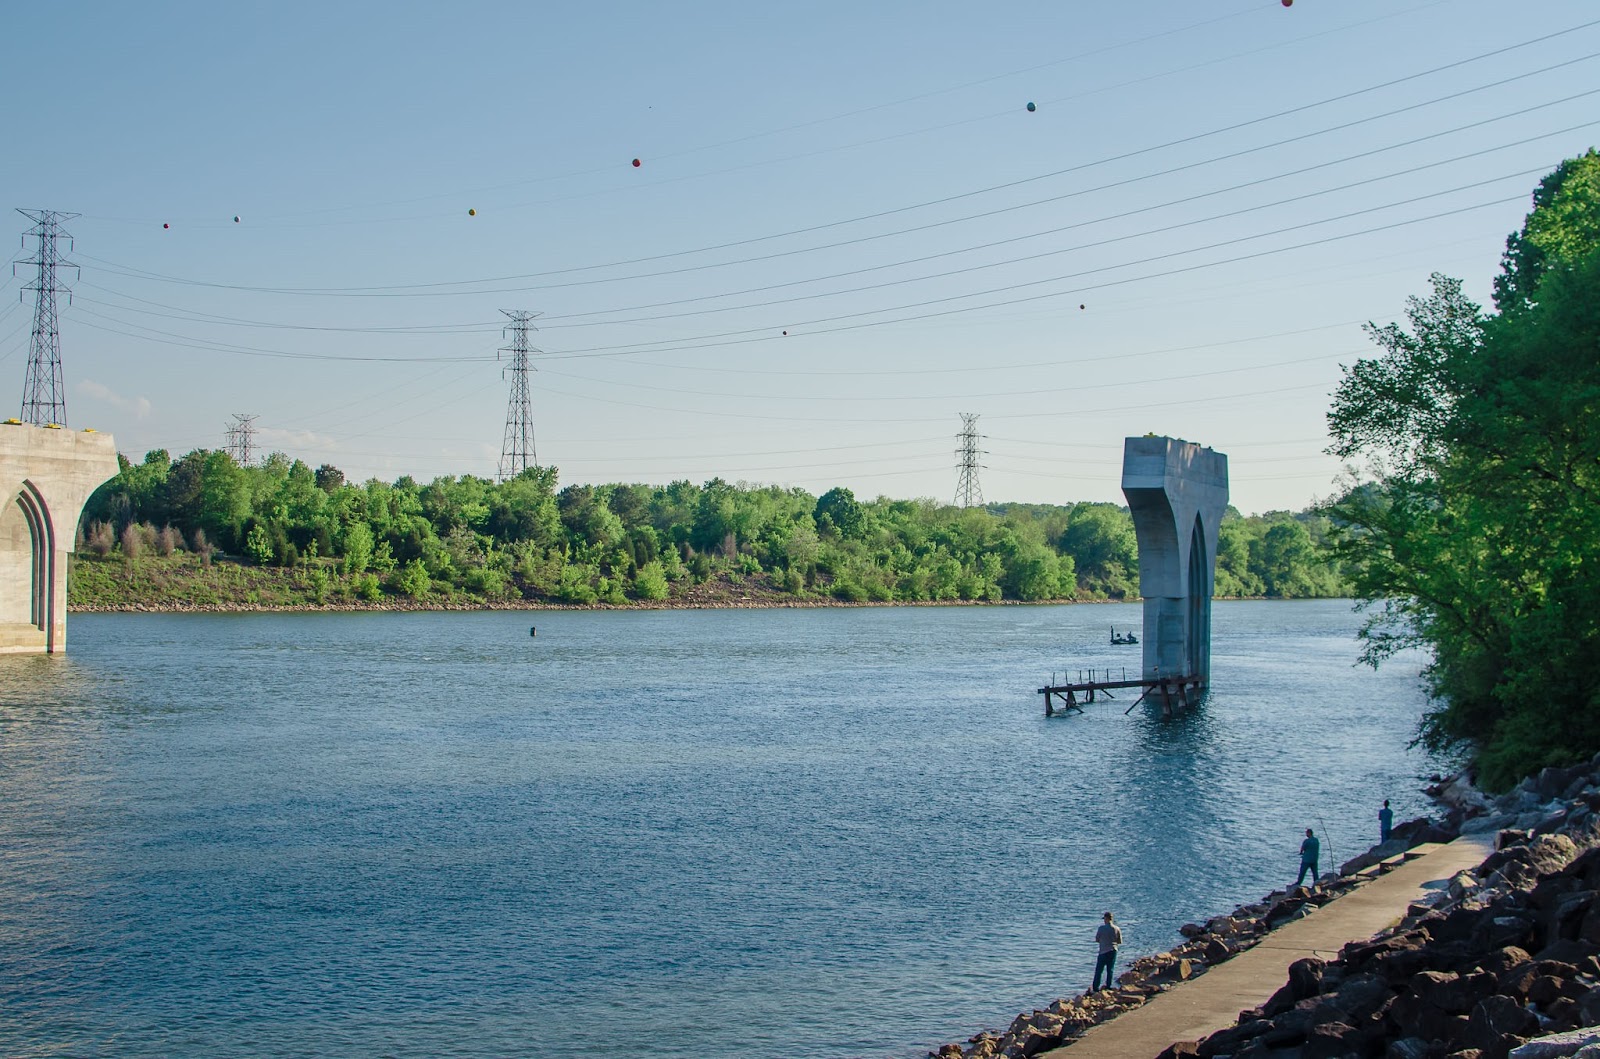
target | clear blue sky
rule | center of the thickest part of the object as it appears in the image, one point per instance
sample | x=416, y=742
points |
x=865, y=177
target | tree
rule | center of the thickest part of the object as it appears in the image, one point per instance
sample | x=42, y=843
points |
x=357, y=549
x=651, y=581
x=329, y=478
x=839, y=507
x=1478, y=536
x=1562, y=229
x=1103, y=547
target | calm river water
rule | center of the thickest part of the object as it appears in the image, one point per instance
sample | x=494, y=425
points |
x=788, y=833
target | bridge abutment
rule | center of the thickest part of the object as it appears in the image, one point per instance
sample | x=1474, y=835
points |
x=46, y=476
x=1177, y=493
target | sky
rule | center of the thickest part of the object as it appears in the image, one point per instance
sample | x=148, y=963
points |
x=845, y=230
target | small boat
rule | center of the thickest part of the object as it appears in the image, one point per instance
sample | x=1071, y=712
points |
x=1127, y=637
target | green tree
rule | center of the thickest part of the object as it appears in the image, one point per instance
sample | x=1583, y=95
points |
x=651, y=581
x=357, y=549
x=1104, y=550
x=839, y=509
x=412, y=579
x=1478, y=535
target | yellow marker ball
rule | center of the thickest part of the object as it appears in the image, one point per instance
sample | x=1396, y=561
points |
x=472, y=213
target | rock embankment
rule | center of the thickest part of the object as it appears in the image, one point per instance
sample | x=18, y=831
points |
x=1505, y=961
x=1205, y=945
x=1506, y=954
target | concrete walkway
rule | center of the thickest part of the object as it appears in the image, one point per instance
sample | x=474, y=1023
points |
x=1212, y=1002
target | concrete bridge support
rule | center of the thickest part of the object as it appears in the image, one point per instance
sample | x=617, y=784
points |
x=46, y=476
x=1177, y=492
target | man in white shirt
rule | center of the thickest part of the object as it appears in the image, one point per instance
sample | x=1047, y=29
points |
x=1109, y=936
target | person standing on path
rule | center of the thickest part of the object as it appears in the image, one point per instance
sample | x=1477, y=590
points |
x=1309, y=850
x=1109, y=936
x=1385, y=821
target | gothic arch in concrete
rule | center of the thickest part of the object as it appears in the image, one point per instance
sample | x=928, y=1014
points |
x=26, y=545
x=1177, y=493
x=46, y=476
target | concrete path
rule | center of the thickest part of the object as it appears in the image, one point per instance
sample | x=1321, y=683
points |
x=1213, y=1001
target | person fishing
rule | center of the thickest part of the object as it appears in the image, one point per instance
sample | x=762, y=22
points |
x=1310, y=849
x=1108, y=937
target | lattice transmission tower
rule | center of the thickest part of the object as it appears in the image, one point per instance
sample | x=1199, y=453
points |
x=968, y=492
x=242, y=438
x=44, y=395
x=517, y=453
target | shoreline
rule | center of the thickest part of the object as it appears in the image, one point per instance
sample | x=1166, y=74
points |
x=399, y=606
x=1544, y=983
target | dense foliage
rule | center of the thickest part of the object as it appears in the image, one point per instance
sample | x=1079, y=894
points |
x=1478, y=536
x=526, y=540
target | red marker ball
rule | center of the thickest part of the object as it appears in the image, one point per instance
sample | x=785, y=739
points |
x=166, y=226
x=636, y=163
x=1288, y=3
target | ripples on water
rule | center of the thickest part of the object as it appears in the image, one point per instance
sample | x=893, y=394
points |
x=797, y=833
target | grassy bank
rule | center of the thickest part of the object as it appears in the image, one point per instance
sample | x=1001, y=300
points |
x=185, y=582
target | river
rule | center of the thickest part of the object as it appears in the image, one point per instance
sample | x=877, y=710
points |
x=782, y=833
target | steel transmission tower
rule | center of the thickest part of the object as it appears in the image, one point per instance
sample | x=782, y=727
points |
x=517, y=454
x=242, y=438
x=44, y=396
x=968, y=492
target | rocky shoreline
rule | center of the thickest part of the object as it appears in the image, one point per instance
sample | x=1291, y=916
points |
x=1505, y=962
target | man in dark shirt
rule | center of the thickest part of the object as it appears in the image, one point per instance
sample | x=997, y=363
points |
x=1385, y=821
x=1309, y=849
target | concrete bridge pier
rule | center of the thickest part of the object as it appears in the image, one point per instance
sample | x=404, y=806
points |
x=1177, y=493
x=46, y=476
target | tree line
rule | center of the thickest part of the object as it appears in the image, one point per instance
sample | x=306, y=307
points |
x=527, y=539
x=1476, y=534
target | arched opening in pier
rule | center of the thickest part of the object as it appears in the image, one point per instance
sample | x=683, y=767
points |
x=1199, y=617
x=24, y=562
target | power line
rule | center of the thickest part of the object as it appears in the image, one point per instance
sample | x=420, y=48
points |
x=746, y=336
x=411, y=289
x=517, y=453
x=1081, y=224
x=1249, y=9
x=195, y=316
x=44, y=395
x=968, y=492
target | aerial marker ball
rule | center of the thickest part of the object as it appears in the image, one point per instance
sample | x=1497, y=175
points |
x=1288, y=3
x=636, y=163
x=236, y=220
x=472, y=213
x=1083, y=306
x=786, y=332
x=1032, y=108
x=165, y=225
